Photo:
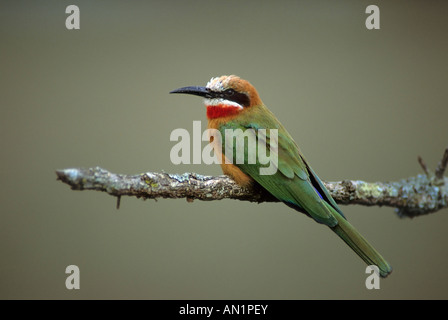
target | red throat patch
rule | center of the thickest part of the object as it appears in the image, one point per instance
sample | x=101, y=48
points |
x=221, y=110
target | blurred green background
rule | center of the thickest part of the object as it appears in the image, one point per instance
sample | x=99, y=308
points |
x=362, y=104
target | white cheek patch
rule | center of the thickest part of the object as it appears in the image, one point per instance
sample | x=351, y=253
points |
x=218, y=101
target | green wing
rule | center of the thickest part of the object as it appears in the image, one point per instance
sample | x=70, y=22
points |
x=294, y=182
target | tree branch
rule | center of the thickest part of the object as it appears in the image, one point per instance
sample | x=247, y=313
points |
x=410, y=197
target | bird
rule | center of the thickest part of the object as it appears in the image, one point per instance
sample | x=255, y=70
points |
x=233, y=103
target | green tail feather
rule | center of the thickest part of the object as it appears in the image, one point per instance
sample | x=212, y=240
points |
x=360, y=245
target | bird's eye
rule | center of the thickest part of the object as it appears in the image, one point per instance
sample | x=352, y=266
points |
x=230, y=92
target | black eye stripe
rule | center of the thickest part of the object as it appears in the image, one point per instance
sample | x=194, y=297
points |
x=238, y=97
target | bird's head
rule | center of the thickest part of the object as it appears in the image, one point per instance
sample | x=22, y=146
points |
x=225, y=96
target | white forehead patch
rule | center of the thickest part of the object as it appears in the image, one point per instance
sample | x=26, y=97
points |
x=215, y=84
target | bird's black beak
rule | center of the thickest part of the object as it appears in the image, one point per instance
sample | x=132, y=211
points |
x=195, y=90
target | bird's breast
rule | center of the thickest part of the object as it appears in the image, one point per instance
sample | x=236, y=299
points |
x=228, y=169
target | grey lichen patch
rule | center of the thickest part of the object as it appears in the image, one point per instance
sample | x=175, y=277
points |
x=392, y=191
x=421, y=196
x=71, y=174
x=180, y=178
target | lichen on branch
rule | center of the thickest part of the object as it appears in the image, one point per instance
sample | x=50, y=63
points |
x=410, y=197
